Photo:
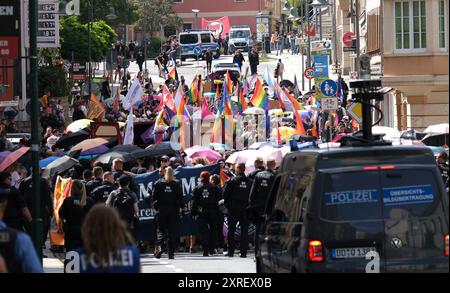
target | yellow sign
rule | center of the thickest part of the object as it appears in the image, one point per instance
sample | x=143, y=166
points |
x=261, y=28
x=354, y=110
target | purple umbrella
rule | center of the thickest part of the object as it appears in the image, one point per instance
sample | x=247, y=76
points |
x=101, y=149
x=3, y=155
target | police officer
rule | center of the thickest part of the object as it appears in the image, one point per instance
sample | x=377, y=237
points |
x=236, y=194
x=259, y=167
x=258, y=195
x=101, y=193
x=205, y=207
x=167, y=199
x=96, y=181
x=442, y=161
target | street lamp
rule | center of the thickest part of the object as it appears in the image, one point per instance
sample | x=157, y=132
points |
x=90, y=16
x=112, y=14
x=196, y=11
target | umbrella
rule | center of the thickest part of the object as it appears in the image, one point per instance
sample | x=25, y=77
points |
x=161, y=149
x=78, y=125
x=58, y=166
x=125, y=148
x=109, y=157
x=302, y=138
x=254, y=111
x=437, y=129
x=3, y=155
x=101, y=149
x=210, y=95
x=390, y=133
x=45, y=162
x=12, y=157
x=89, y=144
x=276, y=112
x=258, y=145
x=202, y=152
x=265, y=153
x=412, y=134
x=285, y=132
x=71, y=139
x=219, y=146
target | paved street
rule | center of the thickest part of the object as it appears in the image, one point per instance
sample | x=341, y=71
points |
x=183, y=263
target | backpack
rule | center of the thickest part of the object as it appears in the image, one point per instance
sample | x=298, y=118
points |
x=124, y=204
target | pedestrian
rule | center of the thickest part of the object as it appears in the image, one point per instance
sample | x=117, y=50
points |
x=279, y=70
x=254, y=61
x=17, y=213
x=298, y=41
x=236, y=194
x=73, y=210
x=46, y=202
x=267, y=43
x=95, y=182
x=117, y=169
x=101, y=193
x=167, y=197
x=225, y=44
x=126, y=203
x=220, y=244
x=208, y=58
x=258, y=195
x=118, y=73
x=205, y=206
x=108, y=247
x=140, y=59
x=259, y=167
x=238, y=59
x=442, y=162
x=131, y=49
x=17, y=253
x=273, y=41
x=105, y=90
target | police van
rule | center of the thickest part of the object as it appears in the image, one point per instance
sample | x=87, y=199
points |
x=203, y=39
x=356, y=209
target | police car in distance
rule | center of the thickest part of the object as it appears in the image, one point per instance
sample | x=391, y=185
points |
x=356, y=209
x=240, y=38
x=202, y=39
x=219, y=71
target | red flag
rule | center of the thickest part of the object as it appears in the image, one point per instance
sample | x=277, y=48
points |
x=280, y=142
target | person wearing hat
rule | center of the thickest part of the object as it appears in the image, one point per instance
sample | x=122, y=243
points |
x=16, y=248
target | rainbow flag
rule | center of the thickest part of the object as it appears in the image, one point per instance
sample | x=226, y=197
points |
x=229, y=83
x=242, y=103
x=195, y=93
x=300, y=129
x=259, y=98
x=174, y=74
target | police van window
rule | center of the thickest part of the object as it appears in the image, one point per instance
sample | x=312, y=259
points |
x=279, y=212
x=189, y=39
x=409, y=194
x=351, y=196
x=287, y=205
x=206, y=38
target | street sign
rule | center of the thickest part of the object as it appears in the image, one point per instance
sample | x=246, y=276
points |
x=329, y=88
x=329, y=104
x=309, y=73
x=321, y=66
x=79, y=71
x=321, y=48
x=347, y=38
x=349, y=49
x=9, y=103
x=197, y=51
x=353, y=74
x=354, y=110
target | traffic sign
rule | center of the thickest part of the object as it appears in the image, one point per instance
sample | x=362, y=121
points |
x=309, y=73
x=197, y=51
x=354, y=74
x=354, y=110
x=329, y=88
x=329, y=104
x=321, y=66
x=347, y=38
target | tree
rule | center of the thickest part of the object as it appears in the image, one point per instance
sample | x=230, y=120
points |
x=127, y=11
x=157, y=14
x=74, y=38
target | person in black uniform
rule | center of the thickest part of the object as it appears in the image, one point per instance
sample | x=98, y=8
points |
x=17, y=213
x=101, y=193
x=236, y=194
x=72, y=212
x=205, y=207
x=258, y=195
x=167, y=199
x=220, y=244
x=96, y=181
x=259, y=167
x=46, y=204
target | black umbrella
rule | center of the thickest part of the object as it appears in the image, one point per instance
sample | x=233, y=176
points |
x=160, y=149
x=108, y=158
x=125, y=148
x=412, y=134
x=59, y=165
x=302, y=138
x=286, y=83
x=71, y=139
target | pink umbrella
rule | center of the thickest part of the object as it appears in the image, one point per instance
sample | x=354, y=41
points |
x=209, y=154
x=12, y=157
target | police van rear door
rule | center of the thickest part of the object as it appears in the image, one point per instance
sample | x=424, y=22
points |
x=350, y=220
x=416, y=219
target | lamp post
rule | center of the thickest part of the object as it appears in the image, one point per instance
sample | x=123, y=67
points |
x=196, y=11
x=90, y=16
x=111, y=16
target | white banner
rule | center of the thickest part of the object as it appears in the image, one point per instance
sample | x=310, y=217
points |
x=129, y=131
x=134, y=94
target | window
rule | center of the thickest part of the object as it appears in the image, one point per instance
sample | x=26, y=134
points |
x=206, y=38
x=410, y=25
x=442, y=24
x=189, y=39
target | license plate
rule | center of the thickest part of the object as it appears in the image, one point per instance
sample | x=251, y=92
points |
x=354, y=252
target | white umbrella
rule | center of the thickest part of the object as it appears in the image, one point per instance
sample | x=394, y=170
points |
x=437, y=129
x=254, y=111
x=390, y=133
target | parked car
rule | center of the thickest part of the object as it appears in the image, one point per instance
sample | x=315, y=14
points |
x=203, y=39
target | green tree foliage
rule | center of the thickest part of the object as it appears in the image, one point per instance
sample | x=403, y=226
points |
x=53, y=78
x=74, y=38
x=157, y=13
x=127, y=11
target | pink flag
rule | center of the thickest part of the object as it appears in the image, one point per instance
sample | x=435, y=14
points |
x=205, y=110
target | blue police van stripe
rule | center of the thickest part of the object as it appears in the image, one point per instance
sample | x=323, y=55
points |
x=418, y=194
x=351, y=197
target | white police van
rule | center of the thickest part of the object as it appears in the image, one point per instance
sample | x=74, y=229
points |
x=203, y=39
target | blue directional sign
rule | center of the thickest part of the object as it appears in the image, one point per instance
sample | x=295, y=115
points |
x=329, y=88
x=197, y=51
x=321, y=66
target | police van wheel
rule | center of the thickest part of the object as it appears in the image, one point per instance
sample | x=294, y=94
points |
x=183, y=59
